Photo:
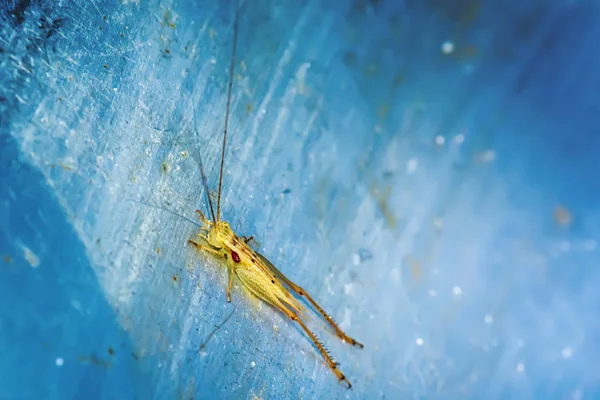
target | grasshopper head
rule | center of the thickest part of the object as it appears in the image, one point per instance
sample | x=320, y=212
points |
x=219, y=234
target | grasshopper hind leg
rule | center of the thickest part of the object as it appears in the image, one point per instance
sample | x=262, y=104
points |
x=332, y=364
x=301, y=292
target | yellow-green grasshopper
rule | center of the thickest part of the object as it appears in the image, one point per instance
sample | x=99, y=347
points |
x=257, y=274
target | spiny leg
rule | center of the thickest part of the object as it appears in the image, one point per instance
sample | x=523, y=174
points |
x=332, y=364
x=204, y=248
x=341, y=334
x=302, y=292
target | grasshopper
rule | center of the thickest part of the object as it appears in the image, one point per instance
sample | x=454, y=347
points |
x=257, y=274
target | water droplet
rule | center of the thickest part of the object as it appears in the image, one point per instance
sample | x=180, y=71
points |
x=447, y=47
x=520, y=367
x=411, y=165
x=589, y=245
x=458, y=139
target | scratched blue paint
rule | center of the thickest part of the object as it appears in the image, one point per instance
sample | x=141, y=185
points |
x=426, y=170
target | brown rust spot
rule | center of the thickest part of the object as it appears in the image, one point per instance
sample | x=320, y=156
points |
x=167, y=20
x=382, y=200
x=562, y=216
x=94, y=360
x=414, y=266
x=66, y=167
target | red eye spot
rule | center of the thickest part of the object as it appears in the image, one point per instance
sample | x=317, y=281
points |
x=235, y=256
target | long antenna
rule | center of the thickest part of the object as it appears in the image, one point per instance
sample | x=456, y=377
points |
x=204, y=180
x=231, y=67
x=167, y=210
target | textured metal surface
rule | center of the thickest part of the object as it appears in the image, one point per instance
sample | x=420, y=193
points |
x=427, y=170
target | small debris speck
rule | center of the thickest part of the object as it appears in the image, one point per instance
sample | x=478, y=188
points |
x=411, y=165
x=111, y=351
x=589, y=245
x=59, y=362
x=457, y=290
x=520, y=367
x=564, y=246
x=7, y=259
x=562, y=216
x=487, y=156
x=440, y=140
x=438, y=224
x=31, y=258
x=362, y=255
x=567, y=352
x=419, y=342
x=488, y=319
x=458, y=139
x=252, y=364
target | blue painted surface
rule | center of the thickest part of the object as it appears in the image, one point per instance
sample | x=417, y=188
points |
x=443, y=207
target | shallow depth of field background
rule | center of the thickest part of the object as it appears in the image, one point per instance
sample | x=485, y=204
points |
x=425, y=169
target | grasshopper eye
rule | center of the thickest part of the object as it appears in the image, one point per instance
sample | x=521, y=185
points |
x=235, y=256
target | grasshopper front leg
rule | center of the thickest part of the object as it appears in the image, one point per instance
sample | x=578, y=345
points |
x=202, y=247
x=205, y=221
